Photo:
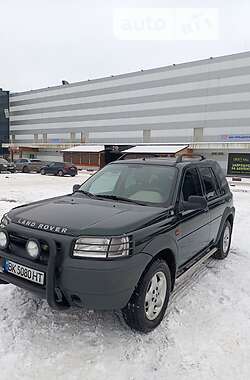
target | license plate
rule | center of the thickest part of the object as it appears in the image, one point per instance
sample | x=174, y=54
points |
x=24, y=272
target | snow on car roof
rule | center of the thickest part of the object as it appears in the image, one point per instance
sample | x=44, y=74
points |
x=156, y=149
x=85, y=148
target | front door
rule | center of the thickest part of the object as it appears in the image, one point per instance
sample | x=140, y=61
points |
x=51, y=168
x=193, y=231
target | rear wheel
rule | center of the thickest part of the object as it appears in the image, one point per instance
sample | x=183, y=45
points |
x=148, y=304
x=224, y=242
x=60, y=173
x=25, y=169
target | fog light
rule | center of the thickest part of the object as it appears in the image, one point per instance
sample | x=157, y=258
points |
x=4, y=240
x=33, y=248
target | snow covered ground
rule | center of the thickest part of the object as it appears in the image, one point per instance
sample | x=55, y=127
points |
x=205, y=333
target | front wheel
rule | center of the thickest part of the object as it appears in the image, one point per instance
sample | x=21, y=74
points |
x=148, y=304
x=60, y=173
x=42, y=171
x=224, y=242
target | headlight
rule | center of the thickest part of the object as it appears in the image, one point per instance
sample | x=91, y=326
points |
x=5, y=221
x=33, y=248
x=4, y=240
x=98, y=247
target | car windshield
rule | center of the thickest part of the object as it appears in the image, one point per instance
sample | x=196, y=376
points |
x=148, y=184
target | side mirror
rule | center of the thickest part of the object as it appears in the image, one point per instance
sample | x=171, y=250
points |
x=194, y=202
x=76, y=188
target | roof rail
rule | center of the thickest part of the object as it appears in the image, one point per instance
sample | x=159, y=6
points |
x=189, y=157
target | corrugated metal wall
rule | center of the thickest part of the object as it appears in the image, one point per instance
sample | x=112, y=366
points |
x=213, y=94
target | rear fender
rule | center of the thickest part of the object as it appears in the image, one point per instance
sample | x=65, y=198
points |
x=229, y=212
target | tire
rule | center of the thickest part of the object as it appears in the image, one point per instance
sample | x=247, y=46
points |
x=60, y=173
x=25, y=169
x=72, y=175
x=139, y=314
x=42, y=171
x=224, y=242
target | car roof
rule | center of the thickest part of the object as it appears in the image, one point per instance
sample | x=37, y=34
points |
x=167, y=161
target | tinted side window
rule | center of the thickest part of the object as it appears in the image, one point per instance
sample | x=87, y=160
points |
x=221, y=178
x=210, y=184
x=191, y=184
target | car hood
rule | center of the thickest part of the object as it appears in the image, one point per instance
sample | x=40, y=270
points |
x=76, y=214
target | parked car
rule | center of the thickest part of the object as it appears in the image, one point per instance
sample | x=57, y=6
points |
x=59, y=168
x=7, y=166
x=26, y=165
x=122, y=239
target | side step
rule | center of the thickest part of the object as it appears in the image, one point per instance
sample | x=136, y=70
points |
x=193, y=268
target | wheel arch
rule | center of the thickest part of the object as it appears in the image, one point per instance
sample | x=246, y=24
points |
x=230, y=218
x=168, y=256
x=227, y=216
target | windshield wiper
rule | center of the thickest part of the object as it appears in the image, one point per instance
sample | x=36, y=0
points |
x=87, y=193
x=118, y=198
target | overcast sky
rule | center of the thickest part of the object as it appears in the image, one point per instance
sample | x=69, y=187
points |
x=43, y=42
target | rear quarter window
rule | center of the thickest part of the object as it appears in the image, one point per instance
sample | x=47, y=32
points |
x=221, y=178
x=210, y=183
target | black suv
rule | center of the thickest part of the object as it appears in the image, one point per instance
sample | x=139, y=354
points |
x=59, y=168
x=122, y=239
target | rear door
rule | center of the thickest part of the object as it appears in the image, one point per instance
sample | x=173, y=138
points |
x=36, y=165
x=215, y=199
x=193, y=230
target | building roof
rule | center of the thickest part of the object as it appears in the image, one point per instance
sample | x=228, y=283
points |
x=142, y=72
x=85, y=148
x=155, y=149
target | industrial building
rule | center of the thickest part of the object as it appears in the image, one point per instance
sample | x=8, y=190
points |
x=204, y=103
x=4, y=118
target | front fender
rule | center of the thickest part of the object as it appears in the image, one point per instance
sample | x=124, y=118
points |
x=160, y=243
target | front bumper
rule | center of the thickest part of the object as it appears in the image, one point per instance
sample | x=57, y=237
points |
x=93, y=284
x=11, y=169
x=48, y=290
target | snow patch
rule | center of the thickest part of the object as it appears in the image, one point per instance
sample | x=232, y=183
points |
x=204, y=335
